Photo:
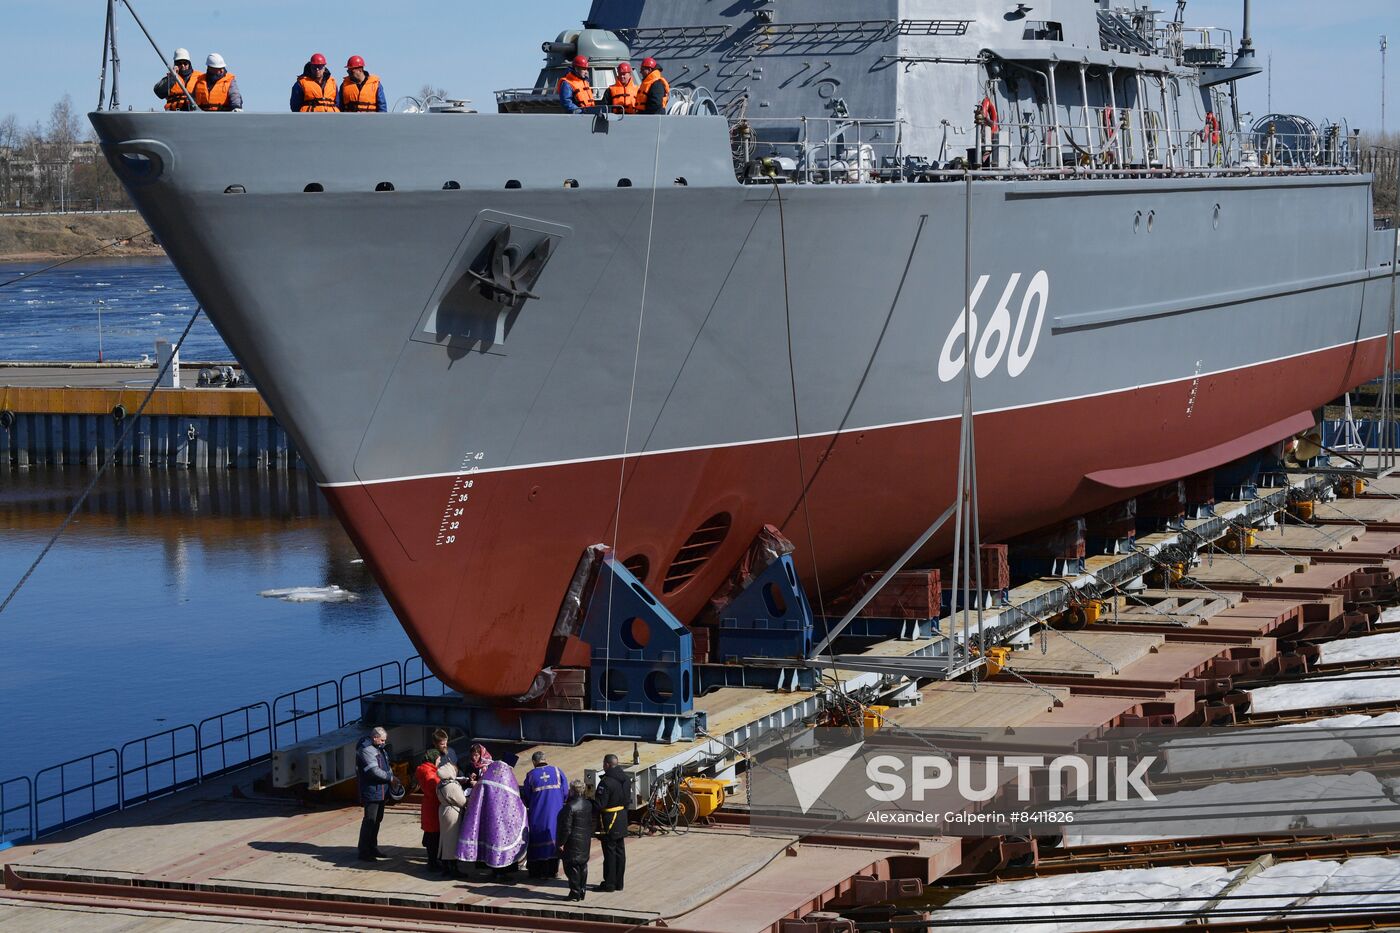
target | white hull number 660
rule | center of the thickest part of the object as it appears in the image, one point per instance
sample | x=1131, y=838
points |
x=999, y=338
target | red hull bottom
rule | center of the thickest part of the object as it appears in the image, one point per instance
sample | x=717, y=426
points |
x=479, y=592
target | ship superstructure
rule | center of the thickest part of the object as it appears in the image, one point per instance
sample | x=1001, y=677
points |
x=663, y=333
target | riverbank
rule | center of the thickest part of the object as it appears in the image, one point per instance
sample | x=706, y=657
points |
x=59, y=236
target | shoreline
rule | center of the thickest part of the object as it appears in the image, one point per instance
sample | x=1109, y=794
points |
x=143, y=252
x=56, y=237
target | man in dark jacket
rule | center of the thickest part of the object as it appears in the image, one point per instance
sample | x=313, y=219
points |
x=614, y=799
x=374, y=776
x=575, y=835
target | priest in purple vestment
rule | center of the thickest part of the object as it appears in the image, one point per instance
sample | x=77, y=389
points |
x=544, y=791
x=494, y=819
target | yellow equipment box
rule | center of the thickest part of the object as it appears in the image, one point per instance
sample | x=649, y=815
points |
x=700, y=797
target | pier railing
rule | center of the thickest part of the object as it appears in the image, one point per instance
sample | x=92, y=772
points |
x=153, y=766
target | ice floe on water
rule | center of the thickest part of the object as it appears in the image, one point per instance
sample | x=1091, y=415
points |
x=312, y=594
x=1366, y=648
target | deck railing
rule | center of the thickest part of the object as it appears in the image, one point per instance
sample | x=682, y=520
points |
x=157, y=765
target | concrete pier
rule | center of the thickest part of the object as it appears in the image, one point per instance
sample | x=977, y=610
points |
x=74, y=415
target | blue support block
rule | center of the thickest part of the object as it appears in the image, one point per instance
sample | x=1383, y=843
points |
x=769, y=619
x=642, y=657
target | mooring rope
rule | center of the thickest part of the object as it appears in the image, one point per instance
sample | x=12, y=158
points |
x=25, y=277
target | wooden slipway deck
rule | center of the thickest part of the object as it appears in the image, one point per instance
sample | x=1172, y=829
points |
x=224, y=836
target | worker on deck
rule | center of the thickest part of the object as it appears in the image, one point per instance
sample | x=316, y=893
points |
x=655, y=92
x=168, y=88
x=575, y=92
x=614, y=799
x=624, y=95
x=452, y=799
x=217, y=88
x=427, y=777
x=440, y=738
x=361, y=92
x=543, y=792
x=314, y=90
x=575, y=835
x=374, y=777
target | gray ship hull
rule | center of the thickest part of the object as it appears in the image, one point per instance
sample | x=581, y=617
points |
x=1128, y=332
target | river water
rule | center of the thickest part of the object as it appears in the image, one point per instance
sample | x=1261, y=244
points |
x=139, y=301
x=147, y=614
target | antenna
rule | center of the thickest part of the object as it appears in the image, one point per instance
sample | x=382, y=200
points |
x=1271, y=83
x=109, y=53
x=1384, y=45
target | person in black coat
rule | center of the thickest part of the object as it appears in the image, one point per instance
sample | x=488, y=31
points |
x=614, y=799
x=575, y=837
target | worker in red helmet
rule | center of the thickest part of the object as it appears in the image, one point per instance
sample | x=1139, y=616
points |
x=655, y=92
x=575, y=91
x=314, y=90
x=361, y=91
x=624, y=95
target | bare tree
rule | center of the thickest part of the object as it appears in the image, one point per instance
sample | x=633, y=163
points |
x=66, y=128
x=427, y=91
x=9, y=140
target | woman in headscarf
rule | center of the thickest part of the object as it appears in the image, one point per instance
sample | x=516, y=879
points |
x=494, y=820
x=427, y=777
x=451, y=799
x=480, y=758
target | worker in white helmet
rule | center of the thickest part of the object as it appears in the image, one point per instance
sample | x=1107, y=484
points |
x=217, y=88
x=169, y=89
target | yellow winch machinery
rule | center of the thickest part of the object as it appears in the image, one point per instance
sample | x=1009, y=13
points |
x=700, y=797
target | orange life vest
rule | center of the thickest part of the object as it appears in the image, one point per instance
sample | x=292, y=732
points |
x=213, y=98
x=360, y=98
x=1110, y=124
x=644, y=92
x=317, y=98
x=625, y=98
x=175, y=98
x=583, y=91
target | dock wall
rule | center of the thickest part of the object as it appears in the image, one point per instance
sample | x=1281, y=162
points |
x=202, y=429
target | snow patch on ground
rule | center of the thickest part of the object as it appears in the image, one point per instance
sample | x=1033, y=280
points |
x=1299, y=884
x=1331, y=691
x=1267, y=746
x=311, y=594
x=1100, y=893
x=1366, y=648
x=1253, y=807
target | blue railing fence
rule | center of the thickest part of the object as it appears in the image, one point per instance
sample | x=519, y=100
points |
x=16, y=810
x=77, y=791
x=235, y=740
x=305, y=713
x=421, y=682
x=354, y=687
x=160, y=764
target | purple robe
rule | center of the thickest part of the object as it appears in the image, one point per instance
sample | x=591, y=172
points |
x=544, y=792
x=493, y=821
